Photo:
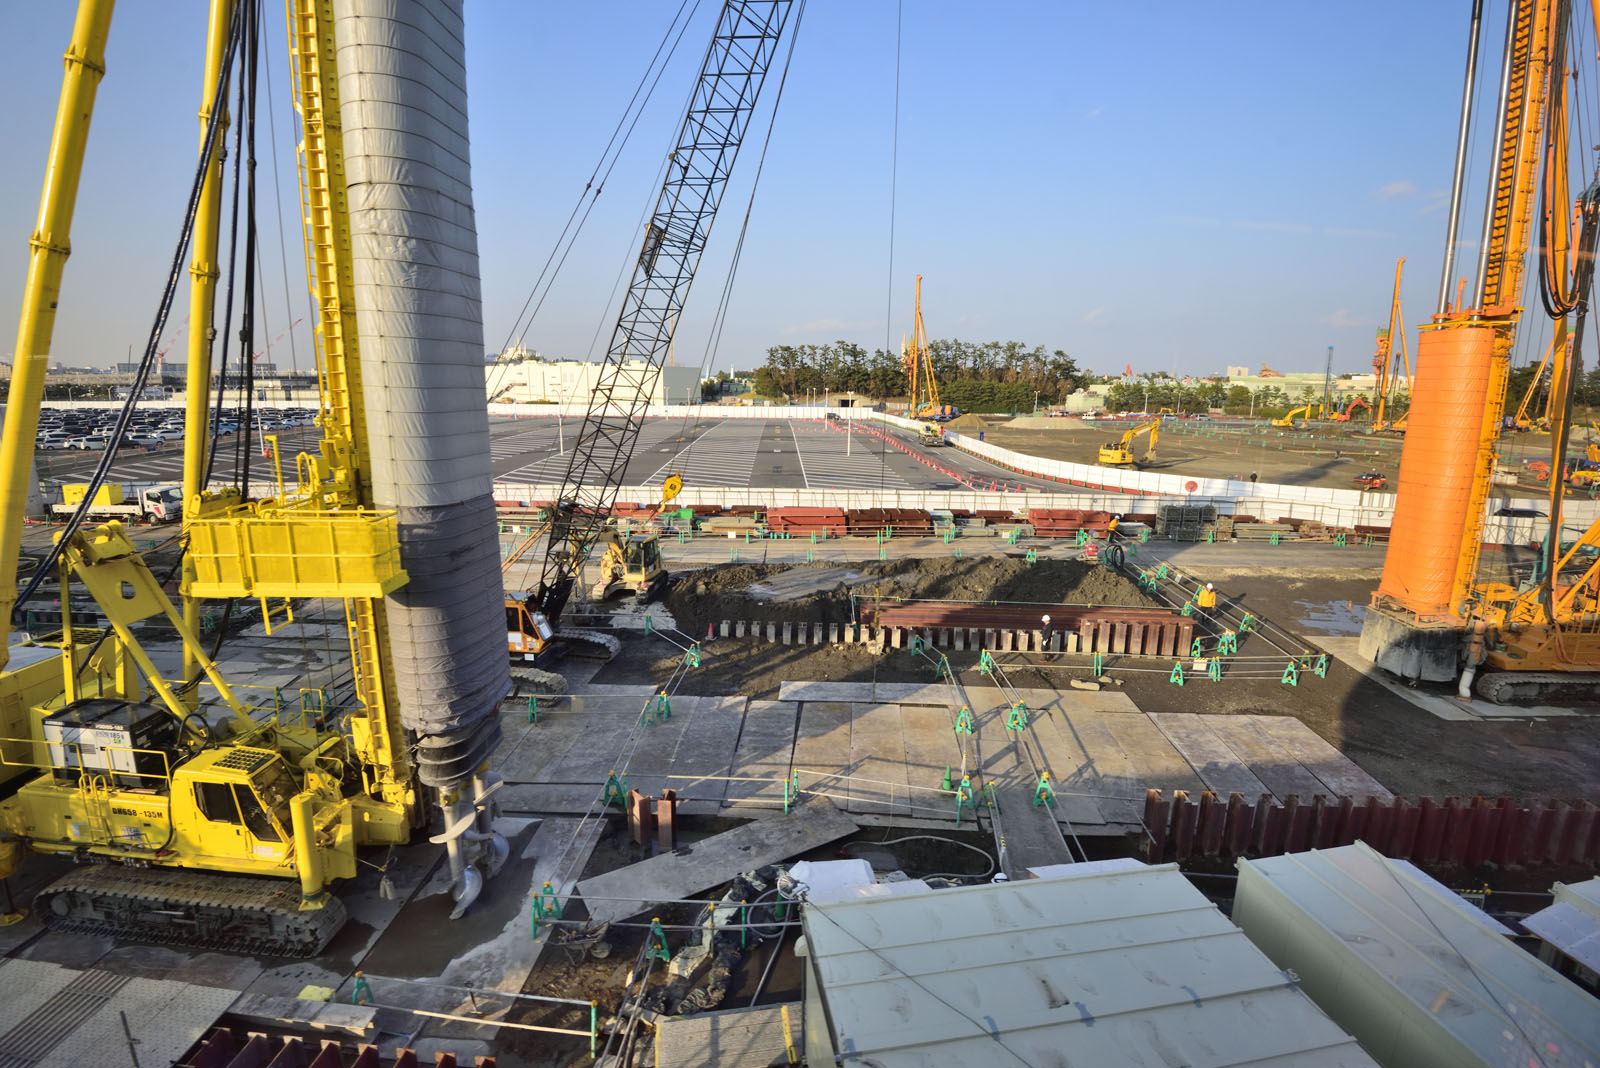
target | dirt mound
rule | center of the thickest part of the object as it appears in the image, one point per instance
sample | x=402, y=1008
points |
x=972, y=422
x=1047, y=422
x=711, y=595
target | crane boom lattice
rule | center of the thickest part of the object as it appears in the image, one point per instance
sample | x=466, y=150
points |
x=720, y=108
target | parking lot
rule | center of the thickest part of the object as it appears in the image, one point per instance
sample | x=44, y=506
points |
x=736, y=453
x=775, y=453
x=153, y=449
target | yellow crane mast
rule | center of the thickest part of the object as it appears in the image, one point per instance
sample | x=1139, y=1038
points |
x=1383, y=362
x=919, y=370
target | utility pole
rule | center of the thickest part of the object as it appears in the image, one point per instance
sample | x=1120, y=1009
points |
x=1327, y=382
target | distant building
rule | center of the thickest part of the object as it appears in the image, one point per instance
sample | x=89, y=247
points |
x=572, y=382
x=1267, y=372
x=1238, y=372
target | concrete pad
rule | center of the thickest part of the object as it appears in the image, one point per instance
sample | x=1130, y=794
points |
x=1218, y=766
x=932, y=745
x=259, y=1010
x=1071, y=771
x=651, y=760
x=1159, y=764
x=822, y=746
x=704, y=752
x=1337, y=771
x=1267, y=760
x=765, y=752
x=1346, y=650
x=425, y=944
x=1121, y=787
x=877, y=760
x=631, y=890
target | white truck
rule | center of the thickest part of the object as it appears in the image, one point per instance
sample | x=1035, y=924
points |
x=153, y=504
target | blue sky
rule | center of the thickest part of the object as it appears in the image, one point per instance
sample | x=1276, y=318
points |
x=1175, y=186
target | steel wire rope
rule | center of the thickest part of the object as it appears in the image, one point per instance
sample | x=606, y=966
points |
x=894, y=189
x=629, y=259
x=163, y=309
x=518, y=323
x=888, y=310
x=719, y=318
x=277, y=198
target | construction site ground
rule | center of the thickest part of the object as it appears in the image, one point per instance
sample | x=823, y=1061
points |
x=1324, y=454
x=871, y=732
x=1316, y=592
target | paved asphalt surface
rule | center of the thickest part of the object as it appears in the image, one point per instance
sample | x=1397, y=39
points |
x=776, y=453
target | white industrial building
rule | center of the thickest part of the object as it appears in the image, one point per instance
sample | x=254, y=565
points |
x=572, y=382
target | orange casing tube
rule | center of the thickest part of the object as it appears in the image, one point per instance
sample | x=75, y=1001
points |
x=1437, y=466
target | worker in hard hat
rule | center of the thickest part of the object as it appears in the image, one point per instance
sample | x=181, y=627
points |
x=1046, y=629
x=1206, y=599
x=1111, y=528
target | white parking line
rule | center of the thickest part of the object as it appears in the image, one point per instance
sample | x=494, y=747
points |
x=799, y=454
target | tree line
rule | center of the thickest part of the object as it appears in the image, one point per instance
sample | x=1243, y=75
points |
x=990, y=376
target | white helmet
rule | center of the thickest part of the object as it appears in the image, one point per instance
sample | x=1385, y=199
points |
x=1209, y=586
x=1044, y=619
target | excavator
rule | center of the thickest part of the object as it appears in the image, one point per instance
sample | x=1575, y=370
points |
x=1350, y=410
x=1433, y=617
x=221, y=824
x=1302, y=413
x=1119, y=453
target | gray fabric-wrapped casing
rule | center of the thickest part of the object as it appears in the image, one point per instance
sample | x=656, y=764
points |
x=402, y=83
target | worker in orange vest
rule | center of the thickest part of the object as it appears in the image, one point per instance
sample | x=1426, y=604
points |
x=1206, y=599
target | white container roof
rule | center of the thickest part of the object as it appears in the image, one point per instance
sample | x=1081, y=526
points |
x=1103, y=967
x=1572, y=924
x=1404, y=934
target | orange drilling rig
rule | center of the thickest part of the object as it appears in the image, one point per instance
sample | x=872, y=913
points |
x=1433, y=616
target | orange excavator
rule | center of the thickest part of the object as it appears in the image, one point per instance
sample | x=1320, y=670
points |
x=1433, y=618
x=1350, y=409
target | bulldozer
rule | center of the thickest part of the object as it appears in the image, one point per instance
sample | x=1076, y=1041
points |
x=1119, y=453
x=931, y=435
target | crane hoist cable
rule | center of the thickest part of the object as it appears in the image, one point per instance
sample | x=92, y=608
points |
x=163, y=309
x=597, y=181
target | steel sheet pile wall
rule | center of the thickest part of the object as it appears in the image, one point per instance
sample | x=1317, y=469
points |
x=403, y=84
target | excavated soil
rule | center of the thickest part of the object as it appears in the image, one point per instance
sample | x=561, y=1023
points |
x=715, y=594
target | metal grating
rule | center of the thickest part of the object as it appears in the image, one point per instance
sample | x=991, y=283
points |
x=42, y=1029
